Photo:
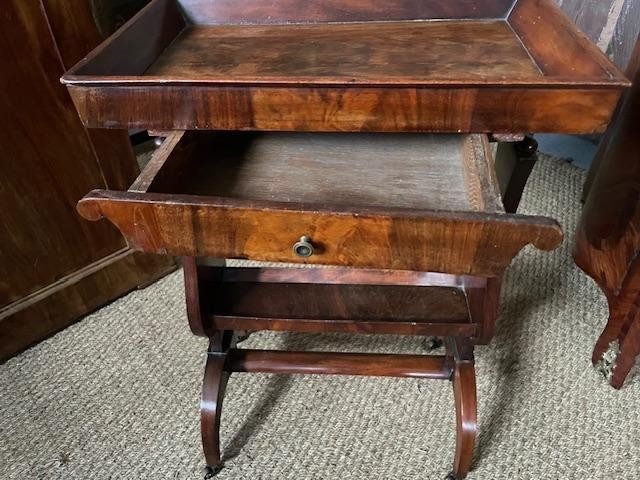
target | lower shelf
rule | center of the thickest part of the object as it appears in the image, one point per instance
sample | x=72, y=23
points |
x=335, y=300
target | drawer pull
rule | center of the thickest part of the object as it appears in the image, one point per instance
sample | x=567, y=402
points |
x=303, y=248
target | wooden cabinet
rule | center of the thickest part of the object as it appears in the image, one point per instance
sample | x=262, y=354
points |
x=54, y=266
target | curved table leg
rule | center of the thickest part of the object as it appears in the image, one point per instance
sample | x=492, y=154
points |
x=618, y=347
x=213, y=387
x=629, y=352
x=610, y=334
x=460, y=351
x=464, y=389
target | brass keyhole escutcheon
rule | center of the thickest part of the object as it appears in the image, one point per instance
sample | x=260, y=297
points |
x=303, y=248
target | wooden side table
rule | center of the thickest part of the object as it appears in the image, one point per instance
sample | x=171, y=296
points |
x=330, y=199
x=319, y=156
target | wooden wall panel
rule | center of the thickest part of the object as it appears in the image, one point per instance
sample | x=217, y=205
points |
x=54, y=265
x=43, y=155
x=75, y=32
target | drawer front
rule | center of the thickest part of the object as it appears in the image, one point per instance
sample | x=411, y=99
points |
x=471, y=243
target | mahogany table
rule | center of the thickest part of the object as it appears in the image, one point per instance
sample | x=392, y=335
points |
x=297, y=132
x=607, y=240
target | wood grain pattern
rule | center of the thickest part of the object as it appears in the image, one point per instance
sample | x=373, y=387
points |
x=73, y=28
x=213, y=388
x=564, y=51
x=340, y=276
x=340, y=302
x=613, y=25
x=464, y=388
x=365, y=327
x=607, y=240
x=346, y=226
x=440, y=76
x=47, y=163
x=337, y=300
x=290, y=11
x=75, y=34
x=323, y=363
x=55, y=267
x=151, y=30
x=159, y=173
x=394, y=52
x=457, y=110
x=201, y=226
x=590, y=15
x=236, y=290
x=606, y=237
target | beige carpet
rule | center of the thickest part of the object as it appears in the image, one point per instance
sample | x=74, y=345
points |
x=116, y=396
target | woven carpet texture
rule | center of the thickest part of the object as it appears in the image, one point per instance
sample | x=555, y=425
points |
x=116, y=396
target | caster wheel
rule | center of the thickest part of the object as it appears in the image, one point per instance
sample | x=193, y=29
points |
x=526, y=148
x=451, y=476
x=210, y=472
x=432, y=343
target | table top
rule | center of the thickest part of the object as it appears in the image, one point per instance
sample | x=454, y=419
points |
x=461, y=66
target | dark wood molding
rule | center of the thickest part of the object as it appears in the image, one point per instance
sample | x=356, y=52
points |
x=64, y=302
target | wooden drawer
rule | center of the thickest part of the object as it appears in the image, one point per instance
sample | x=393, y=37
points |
x=391, y=201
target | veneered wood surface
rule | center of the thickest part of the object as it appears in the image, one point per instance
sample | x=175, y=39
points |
x=457, y=110
x=144, y=37
x=346, y=227
x=321, y=325
x=607, y=237
x=558, y=48
x=459, y=243
x=387, y=52
x=613, y=24
x=248, y=311
x=73, y=27
x=440, y=76
x=607, y=240
x=451, y=52
x=418, y=171
x=341, y=275
x=273, y=361
x=340, y=302
x=465, y=397
x=288, y=11
x=331, y=300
